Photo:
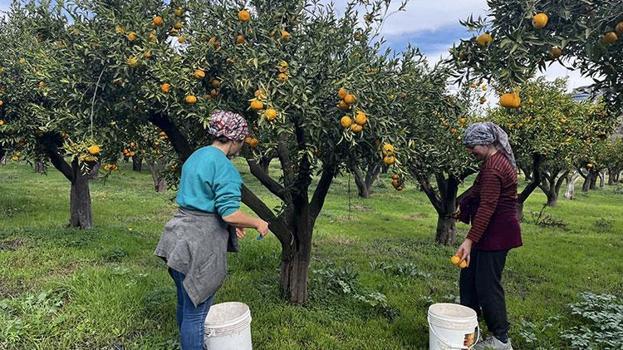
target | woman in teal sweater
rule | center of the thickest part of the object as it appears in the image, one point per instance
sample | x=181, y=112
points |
x=194, y=242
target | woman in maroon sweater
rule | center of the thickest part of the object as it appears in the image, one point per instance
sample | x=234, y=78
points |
x=490, y=207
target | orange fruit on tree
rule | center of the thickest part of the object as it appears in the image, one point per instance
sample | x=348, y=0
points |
x=256, y=105
x=260, y=94
x=361, y=118
x=282, y=77
x=539, y=21
x=2, y=122
x=178, y=25
x=610, y=38
x=199, y=73
x=619, y=28
x=165, y=87
x=1, y=103
x=270, y=114
x=555, y=52
x=240, y=39
x=215, y=83
x=152, y=37
x=251, y=141
x=157, y=21
x=343, y=105
x=190, y=99
x=341, y=93
x=395, y=177
x=350, y=99
x=179, y=12
x=244, y=15
x=510, y=100
x=131, y=36
x=389, y=160
x=346, y=121
x=94, y=150
x=181, y=39
x=285, y=35
x=132, y=61
x=356, y=128
x=388, y=149
x=484, y=39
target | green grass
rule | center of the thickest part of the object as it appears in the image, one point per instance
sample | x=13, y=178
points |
x=63, y=288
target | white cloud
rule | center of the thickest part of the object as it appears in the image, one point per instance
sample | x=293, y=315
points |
x=427, y=15
x=575, y=78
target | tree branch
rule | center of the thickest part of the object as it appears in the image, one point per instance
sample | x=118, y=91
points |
x=328, y=173
x=277, y=225
x=536, y=178
x=273, y=186
x=178, y=140
x=50, y=143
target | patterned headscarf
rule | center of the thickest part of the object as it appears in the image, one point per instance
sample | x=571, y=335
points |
x=489, y=134
x=228, y=124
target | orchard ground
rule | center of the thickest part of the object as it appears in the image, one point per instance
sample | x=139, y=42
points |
x=374, y=270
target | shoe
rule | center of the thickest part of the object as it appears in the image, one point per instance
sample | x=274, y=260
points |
x=492, y=343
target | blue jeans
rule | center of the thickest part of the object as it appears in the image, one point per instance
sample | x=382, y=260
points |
x=190, y=319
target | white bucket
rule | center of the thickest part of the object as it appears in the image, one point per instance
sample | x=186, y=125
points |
x=452, y=326
x=228, y=327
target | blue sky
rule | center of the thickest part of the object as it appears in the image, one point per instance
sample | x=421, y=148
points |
x=433, y=26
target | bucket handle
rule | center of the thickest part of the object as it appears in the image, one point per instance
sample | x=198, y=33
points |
x=430, y=326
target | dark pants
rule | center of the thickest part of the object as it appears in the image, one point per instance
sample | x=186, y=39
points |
x=481, y=289
x=190, y=319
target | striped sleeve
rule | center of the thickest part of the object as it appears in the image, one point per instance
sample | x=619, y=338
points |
x=490, y=188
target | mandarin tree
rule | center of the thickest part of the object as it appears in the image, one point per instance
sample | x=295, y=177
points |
x=286, y=85
x=549, y=133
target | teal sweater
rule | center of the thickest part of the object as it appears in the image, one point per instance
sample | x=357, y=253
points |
x=209, y=183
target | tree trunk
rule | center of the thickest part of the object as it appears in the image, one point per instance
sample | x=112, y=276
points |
x=446, y=229
x=552, y=197
x=40, y=167
x=80, y=199
x=156, y=167
x=294, y=272
x=94, y=171
x=364, y=184
x=571, y=179
x=611, y=177
x=537, y=159
x=588, y=180
x=137, y=163
x=602, y=179
x=265, y=163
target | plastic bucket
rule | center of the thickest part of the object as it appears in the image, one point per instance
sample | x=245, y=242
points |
x=228, y=327
x=452, y=326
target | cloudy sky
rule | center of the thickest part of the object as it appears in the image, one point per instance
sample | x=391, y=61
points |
x=433, y=26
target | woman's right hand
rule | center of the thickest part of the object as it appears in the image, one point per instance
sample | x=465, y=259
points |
x=262, y=227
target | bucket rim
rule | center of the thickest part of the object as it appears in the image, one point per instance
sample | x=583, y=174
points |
x=245, y=315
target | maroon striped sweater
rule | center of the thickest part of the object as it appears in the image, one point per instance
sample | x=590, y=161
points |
x=491, y=206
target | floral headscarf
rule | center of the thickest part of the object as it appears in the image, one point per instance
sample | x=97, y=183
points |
x=229, y=125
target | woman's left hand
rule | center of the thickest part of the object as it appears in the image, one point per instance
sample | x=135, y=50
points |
x=464, y=250
x=240, y=232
